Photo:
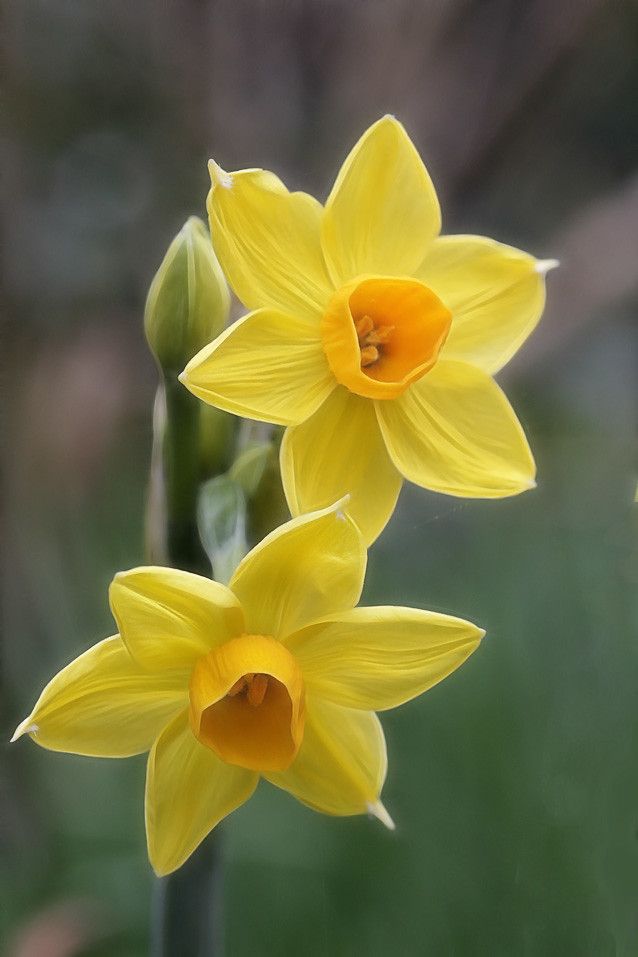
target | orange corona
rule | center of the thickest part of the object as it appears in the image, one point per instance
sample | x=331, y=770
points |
x=247, y=703
x=381, y=334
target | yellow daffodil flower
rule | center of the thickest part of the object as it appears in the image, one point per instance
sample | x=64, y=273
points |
x=372, y=338
x=277, y=675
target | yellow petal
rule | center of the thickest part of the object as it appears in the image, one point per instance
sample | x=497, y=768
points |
x=496, y=295
x=267, y=366
x=267, y=241
x=310, y=567
x=188, y=791
x=382, y=212
x=169, y=618
x=342, y=763
x=455, y=432
x=103, y=704
x=377, y=658
x=340, y=451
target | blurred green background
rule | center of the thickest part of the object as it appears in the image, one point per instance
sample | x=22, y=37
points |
x=514, y=783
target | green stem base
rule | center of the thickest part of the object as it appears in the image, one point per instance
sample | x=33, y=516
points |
x=187, y=906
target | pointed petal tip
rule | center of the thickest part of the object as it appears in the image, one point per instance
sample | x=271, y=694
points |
x=376, y=809
x=341, y=506
x=219, y=176
x=23, y=728
x=543, y=266
x=158, y=870
x=391, y=120
x=185, y=376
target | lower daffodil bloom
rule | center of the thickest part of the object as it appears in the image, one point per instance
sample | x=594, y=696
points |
x=277, y=676
x=372, y=338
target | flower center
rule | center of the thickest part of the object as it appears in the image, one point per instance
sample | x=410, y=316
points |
x=381, y=334
x=253, y=686
x=247, y=703
x=371, y=339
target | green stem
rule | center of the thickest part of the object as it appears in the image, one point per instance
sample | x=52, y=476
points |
x=182, y=477
x=187, y=906
x=186, y=913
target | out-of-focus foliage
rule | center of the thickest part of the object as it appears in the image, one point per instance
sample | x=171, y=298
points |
x=515, y=783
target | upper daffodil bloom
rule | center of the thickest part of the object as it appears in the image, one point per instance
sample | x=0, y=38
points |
x=277, y=675
x=372, y=337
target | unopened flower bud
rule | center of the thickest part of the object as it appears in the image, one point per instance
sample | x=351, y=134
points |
x=188, y=301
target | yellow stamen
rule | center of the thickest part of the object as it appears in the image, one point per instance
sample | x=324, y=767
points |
x=369, y=354
x=364, y=326
x=371, y=336
x=257, y=689
x=379, y=335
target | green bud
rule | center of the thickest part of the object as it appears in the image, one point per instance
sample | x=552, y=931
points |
x=188, y=302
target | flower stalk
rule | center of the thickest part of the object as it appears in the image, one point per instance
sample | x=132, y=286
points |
x=186, y=907
x=187, y=305
x=181, y=465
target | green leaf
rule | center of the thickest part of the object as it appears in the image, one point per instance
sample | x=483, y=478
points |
x=249, y=467
x=221, y=520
